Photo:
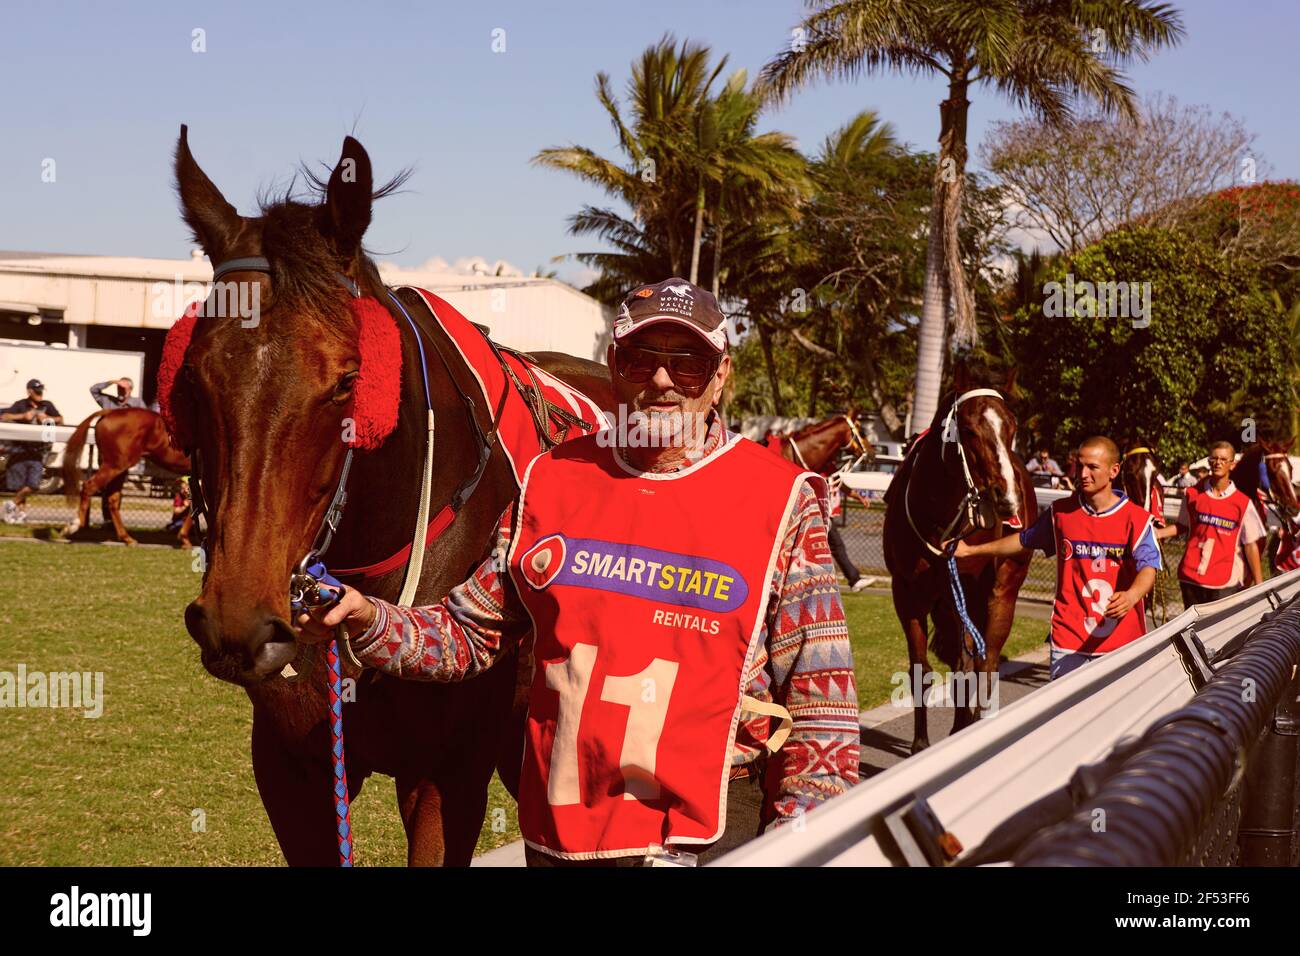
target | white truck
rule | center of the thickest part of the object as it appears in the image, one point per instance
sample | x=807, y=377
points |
x=67, y=375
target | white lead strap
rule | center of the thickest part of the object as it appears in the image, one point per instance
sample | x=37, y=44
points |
x=416, y=563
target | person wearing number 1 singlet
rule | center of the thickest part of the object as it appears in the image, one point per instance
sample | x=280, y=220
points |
x=1222, y=527
x=1106, y=561
x=692, y=681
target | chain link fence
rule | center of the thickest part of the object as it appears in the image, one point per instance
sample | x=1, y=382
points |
x=861, y=528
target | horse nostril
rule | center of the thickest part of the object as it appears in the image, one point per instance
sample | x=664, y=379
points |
x=274, y=647
x=199, y=625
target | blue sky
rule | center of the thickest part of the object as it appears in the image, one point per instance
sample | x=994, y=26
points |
x=102, y=89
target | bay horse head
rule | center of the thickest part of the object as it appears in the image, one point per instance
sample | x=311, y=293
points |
x=1264, y=473
x=815, y=446
x=269, y=398
x=1138, y=470
x=977, y=430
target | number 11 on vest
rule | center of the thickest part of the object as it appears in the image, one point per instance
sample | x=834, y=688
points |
x=646, y=696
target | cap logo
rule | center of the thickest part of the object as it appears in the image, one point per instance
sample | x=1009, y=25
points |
x=683, y=290
x=644, y=293
x=624, y=321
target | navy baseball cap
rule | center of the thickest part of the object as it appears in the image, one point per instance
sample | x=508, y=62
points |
x=35, y=384
x=676, y=301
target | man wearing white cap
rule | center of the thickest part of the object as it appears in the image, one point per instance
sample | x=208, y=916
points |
x=693, y=680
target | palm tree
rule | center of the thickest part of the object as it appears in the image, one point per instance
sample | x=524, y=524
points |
x=656, y=179
x=1040, y=53
x=743, y=172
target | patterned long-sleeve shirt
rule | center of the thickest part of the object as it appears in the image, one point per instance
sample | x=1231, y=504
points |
x=804, y=662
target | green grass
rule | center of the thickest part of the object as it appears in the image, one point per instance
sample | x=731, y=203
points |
x=123, y=789
x=879, y=650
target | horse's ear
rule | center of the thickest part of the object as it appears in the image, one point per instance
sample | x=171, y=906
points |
x=213, y=221
x=960, y=376
x=1009, y=382
x=348, y=198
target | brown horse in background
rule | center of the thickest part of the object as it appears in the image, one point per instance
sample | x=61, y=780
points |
x=268, y=404
x=1138, y=470
x=815, y=446
x=123, y=437
x=930, y=503
x=1280, y=493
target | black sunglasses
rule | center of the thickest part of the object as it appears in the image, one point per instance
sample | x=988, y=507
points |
x=687, y=369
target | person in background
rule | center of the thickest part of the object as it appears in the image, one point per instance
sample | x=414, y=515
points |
x=1223, y=531
x=1185, y=479
x=180, y=504
x=839, y=551
x=1071, y=469
x=123, y=398
x=27, y=458
x=1044, y=464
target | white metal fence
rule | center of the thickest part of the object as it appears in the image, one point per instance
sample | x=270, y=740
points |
x=978, y=778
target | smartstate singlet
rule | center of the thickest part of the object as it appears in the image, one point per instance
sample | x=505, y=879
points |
x=1094, y=559
x=648, y=593
x=1214, y=536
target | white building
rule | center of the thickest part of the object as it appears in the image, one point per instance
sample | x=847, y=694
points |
x=127, y=304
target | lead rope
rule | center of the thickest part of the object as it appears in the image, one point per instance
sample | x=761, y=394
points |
x=342, y=806
x=959, y=599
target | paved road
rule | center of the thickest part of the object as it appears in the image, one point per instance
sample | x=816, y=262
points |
x=887, y=730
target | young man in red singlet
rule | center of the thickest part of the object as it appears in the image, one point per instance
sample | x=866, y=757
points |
x=1106, y=561
x=1223, y=527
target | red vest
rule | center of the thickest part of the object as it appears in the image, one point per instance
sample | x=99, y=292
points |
x=1213, y=537
x=1157, y=503
x=1094, y=559
x=647, y=606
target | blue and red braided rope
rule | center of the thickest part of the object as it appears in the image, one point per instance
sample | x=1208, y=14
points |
x=342, y=809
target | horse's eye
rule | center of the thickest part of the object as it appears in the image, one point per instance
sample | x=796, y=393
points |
x=343, y=390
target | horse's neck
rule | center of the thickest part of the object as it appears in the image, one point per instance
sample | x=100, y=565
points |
x=819, y=446
x=934, y=500
x=1245, y=472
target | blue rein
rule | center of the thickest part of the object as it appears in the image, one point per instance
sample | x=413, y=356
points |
x=959, y=599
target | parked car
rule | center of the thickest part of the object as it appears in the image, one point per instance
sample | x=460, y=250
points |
x=870, y=479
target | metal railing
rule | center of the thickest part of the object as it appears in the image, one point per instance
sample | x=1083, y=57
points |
x=1080, y=734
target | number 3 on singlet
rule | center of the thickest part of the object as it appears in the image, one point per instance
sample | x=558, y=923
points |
x=646, y=696
x=1096, y=594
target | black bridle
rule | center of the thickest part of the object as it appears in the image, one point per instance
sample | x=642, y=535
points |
x=310, y=583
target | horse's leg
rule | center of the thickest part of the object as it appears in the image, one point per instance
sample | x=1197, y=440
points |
x=298, y=797
x=89, y=488
x=113, y=495
x=918, y=658
x=419, y=801
x=970, y=672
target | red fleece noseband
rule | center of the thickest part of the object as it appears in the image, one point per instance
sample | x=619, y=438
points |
x=376, y=393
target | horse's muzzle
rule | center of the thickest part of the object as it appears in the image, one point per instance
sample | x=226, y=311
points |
x=261, y=651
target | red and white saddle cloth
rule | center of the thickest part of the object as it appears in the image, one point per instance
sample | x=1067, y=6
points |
x=560, y=408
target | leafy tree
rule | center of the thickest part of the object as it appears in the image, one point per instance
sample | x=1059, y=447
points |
x=1077, y=181
x=1040, y=53
x=1213, y=354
